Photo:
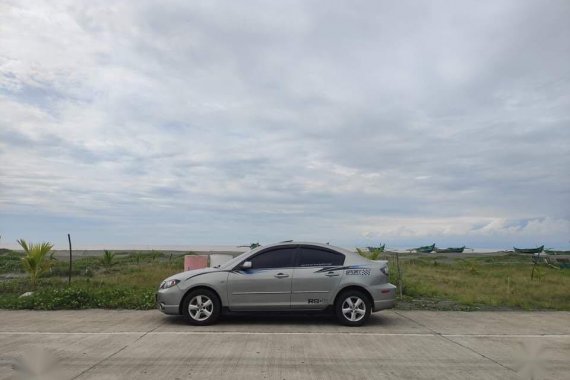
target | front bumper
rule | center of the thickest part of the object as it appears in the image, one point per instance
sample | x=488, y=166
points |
x=167, y=302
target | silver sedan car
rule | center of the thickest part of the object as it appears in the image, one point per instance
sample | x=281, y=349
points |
x=286, y=276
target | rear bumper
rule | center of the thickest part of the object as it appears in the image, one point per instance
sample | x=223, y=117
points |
x=383, y=305
x=384, y=297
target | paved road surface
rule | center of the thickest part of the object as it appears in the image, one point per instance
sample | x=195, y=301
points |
x=99, y=344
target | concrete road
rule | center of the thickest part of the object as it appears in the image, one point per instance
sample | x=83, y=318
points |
x=100, y=344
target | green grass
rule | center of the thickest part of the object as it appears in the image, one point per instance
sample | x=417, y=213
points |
x=432, y=282
x=82, y=297
x=10, y=262
x=130, y=284
x=489, y=282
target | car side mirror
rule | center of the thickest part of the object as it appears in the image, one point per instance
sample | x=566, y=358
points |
x=246, y=265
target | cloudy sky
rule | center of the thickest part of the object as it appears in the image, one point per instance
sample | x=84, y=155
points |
x=208, y=122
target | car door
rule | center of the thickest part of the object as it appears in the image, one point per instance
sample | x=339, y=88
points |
x=315, y=277
x=266, y=285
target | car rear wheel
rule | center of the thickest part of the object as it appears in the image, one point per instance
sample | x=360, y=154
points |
x=352, y=308
x=201, y=307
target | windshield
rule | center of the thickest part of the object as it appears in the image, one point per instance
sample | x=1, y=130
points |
x=233, y=262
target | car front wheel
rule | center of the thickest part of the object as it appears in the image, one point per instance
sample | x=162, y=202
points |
x=352, y=308
x=201, y=307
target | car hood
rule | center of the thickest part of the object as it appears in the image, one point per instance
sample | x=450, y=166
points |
x=191, y=273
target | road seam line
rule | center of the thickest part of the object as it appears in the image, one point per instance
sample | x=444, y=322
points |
x=116, y=352
x=456, y=343
x=99, y=362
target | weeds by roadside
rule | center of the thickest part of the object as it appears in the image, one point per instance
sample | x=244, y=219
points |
x=81, y=297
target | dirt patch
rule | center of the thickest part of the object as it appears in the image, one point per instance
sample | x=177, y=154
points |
x=444, y=305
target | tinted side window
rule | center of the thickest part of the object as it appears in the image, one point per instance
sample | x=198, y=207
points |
x=313, y=257
x=277, y=258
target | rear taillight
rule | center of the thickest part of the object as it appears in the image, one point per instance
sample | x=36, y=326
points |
x=385, y=270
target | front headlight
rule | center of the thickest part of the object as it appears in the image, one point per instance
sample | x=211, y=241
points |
x=385, y=270
x=168, y=284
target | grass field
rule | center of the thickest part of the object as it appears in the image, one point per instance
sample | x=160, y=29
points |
x=482, y=283
x=429, y=282
x=130, y=283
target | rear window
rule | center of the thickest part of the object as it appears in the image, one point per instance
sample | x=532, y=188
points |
x=314, y=257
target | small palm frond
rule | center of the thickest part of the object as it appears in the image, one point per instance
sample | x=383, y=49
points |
x=24, y=245
x=108, y=259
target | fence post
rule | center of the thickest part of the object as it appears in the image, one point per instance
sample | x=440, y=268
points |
x=70, y=256
x=399, y=273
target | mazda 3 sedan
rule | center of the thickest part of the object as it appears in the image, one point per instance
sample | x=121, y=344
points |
x=286, y=276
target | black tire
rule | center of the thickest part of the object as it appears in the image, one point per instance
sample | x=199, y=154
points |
x=205, y=308
x=357, y=313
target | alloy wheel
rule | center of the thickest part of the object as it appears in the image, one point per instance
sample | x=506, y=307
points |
x=200, y=308
x=353, y=308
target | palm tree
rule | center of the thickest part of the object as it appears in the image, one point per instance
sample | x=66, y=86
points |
x=36, y=260
x=108, y=260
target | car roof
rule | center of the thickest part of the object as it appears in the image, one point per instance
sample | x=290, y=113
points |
x=307, y=243
x=353, y=256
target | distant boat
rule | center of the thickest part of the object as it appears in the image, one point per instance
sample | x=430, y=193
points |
x=425, y=249
x=377, y=249
x=450, y=250
x=529, y=250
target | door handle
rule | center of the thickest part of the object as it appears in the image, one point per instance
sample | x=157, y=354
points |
x=281, y=275
x=332, y=274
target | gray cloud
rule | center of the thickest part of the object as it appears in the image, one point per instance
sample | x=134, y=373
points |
x=221, y=122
